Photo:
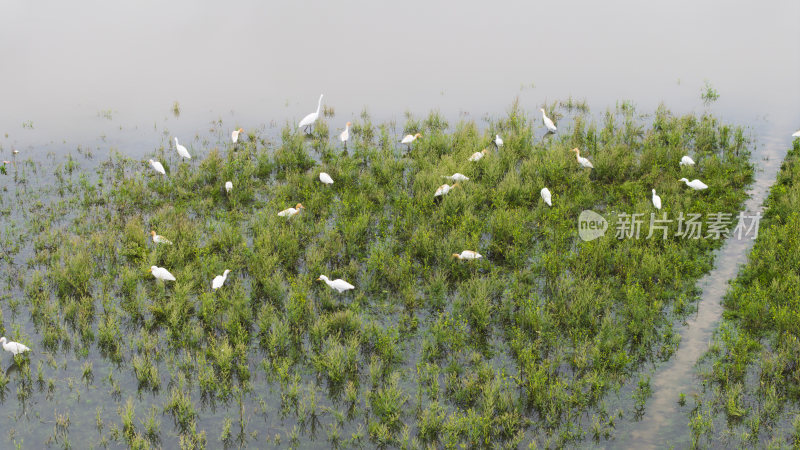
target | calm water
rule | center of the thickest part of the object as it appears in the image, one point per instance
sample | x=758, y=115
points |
x=102, y=75
x=253, y=62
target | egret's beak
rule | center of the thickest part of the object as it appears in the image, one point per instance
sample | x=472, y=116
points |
x=319, y=279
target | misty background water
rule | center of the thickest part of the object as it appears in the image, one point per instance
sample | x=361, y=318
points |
x=255, y=62
x=102, y=75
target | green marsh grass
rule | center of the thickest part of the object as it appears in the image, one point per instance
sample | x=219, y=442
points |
x=751, y=373
x=512, y=349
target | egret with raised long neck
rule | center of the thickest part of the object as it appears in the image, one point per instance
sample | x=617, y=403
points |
x=311, y=118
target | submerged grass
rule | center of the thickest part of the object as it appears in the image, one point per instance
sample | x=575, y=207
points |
x=426, y=350
x=751, y=372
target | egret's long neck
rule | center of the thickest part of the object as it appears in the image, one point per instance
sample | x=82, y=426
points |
x=319, y=104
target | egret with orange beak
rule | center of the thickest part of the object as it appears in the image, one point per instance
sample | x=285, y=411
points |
x=289, y=212
x=581, y=160
x=468, y=255
x=235, y=135
x=409, y=138
x=345, y=134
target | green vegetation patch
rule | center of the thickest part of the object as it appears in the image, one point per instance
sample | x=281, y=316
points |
x=520, y=346
x=751, y=372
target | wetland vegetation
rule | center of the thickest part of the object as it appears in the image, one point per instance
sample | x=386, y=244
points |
x=520, y=348
x=750, y=374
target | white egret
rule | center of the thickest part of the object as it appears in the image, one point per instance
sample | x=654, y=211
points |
x=456, y=177
x=159, y=239
x=497, y=141
x=477, y=155
x=182, y=150
x=157, y=166
x=228, y=187
x=656, y=200
x=546, y=196
x=468, y=254
x=409, y=138
x=697, y=185
x=796, y=133
x=219, y=280
x=686, y=161
x=339, y=284
x=289, y=212
x=551, y=127
x=345, y=134
x=162, y=273
x=325, y=178
x=311, y=118
x=15, y=348
x=444, y=189
x=581, y=160
x=235, y=135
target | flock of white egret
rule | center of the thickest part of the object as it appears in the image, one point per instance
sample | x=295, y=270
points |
x=308, y=121
x=340, y=285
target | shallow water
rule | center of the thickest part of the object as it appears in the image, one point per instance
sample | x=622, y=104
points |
x=101, y=76
x=665, y=421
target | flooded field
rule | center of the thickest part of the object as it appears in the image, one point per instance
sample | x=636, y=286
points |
x=546, y=340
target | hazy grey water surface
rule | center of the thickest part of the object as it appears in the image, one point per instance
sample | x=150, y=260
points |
x=255, y=62
x=102, y=75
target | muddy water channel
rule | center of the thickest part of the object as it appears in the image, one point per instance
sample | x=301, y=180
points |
x=665, y=419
